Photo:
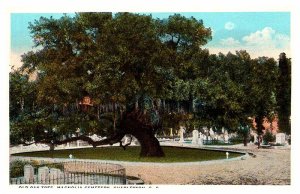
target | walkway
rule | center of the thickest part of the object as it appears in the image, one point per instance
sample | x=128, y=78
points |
x=269, y=166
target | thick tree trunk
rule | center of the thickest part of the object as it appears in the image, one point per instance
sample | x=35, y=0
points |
x=137, y=125
x=150, y=146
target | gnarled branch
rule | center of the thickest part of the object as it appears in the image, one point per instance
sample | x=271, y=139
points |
x=110, y=140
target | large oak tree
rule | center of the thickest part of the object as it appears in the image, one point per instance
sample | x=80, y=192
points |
x=128, y=64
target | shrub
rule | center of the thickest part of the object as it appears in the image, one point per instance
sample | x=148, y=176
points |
x=236, y=140
x=268, y=137
x=55, y=165
x=16, y=168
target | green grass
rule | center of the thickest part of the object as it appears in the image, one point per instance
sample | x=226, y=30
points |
x=173, y=154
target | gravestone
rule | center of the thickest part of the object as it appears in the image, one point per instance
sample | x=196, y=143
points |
x=181, y=132
x=63, y=138
x=134, y=141
x=95, y=137
x=28, y=173
x=126, y=139
x=280, y=138
x=171, y=132
x=43, y=175
x=226, y=137
x=200, y=140
x=195, y=136
x=211, y=133
x=255, y=138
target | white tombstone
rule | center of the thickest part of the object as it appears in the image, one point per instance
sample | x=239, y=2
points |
x=28, y=174
x=71, y=156
x=134, y=141
x=126, y=140
x=280, y=138
x=171, y=132
x=226, y=137
x=95, y=137
x=255, y=138
x=211, y=132
x=43, y=175
x=195, y=136
x=181, y=132
x=200, y=140
x=203, y=136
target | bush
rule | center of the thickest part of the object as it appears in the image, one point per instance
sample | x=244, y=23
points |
x=268, y=137
x=16, y=168
x=215, y=142
x=236, y=140
x=59, y=166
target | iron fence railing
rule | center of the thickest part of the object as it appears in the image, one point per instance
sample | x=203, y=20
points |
x=72, y=172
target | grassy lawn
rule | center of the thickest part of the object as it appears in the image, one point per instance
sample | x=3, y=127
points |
x=173, y=154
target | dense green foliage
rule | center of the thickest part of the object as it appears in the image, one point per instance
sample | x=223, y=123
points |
x=173, y=154
x=268, y=137
x=283, y=94
x=16, y=168
x=126, y=61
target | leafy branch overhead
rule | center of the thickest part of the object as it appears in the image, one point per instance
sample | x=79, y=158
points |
x=137, y=71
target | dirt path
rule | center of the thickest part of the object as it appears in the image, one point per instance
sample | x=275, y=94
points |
x=269, y=167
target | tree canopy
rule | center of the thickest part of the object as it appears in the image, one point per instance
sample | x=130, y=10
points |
x=141, y=74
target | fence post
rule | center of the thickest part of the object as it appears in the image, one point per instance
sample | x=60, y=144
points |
x=54, y=175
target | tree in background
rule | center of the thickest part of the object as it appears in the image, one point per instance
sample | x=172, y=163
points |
x=283, y=94
x=262, y=91
x=22, y=98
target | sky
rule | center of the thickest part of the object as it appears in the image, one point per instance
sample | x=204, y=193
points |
x=259, y=33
